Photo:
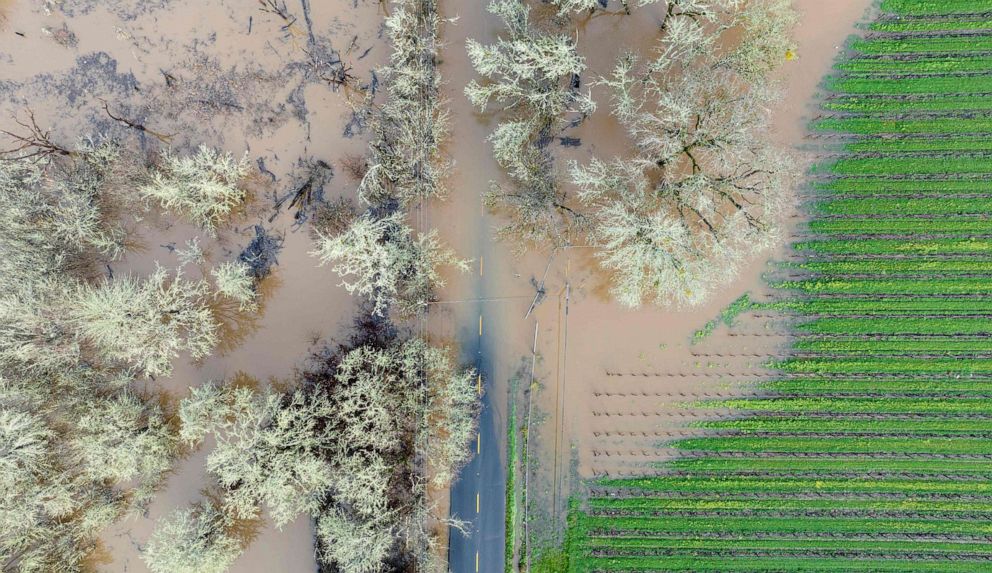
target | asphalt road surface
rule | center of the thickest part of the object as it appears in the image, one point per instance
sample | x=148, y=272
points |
x=479, y=494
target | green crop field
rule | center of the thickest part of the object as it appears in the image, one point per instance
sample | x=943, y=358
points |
x=871, y=449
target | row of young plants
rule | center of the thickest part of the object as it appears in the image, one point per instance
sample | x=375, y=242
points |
x=871, y=450
x=907, y=186
x=942, y=228
x=905, y=103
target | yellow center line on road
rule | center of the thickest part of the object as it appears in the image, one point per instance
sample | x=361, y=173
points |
x=478, y=383
x=476, y=562
x=477, y=503
x=478, y=444
x=481, y=261
x=480, y=325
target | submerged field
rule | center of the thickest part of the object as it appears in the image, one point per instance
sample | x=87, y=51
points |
x=871, y=450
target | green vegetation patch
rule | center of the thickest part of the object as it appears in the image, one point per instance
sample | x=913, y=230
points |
x=871, y=448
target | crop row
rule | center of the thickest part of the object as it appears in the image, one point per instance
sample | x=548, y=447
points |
x=863, y=545
x=895, y=345
x=849, y=425
x=919, y=144
x=936, y=64
x=879, y=226
x=883, y=206
x=864, y=185
x=771, y=504
x=940, y=24
x=911, y=166
x=896, y=246
x=878, y=384
x=936, y=7
x=922, y=45
x=786, y=525
x=882, y=285
x=580, y=563
x=847, y=445
x=864, y=464
x=900, y=104
x=934, y=267
x=916, y=126
x=895, y=325
x=823, y=485
x=811, y=404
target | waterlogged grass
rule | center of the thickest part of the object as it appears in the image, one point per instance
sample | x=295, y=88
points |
x=512, y=497
x=871, y=450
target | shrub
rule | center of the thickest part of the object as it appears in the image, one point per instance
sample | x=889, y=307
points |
x=146, y=323
x=203, y=187
x=234, y=280
x=192, y=540
x=380, y=258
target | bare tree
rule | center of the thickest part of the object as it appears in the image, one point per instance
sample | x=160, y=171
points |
x=531, y=78
x=382, y=259
x=706, y=187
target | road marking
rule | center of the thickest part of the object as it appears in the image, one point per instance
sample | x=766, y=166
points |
x=478, y=444
x=481, y=261
x=478, y=383
x=477, y=503
x=476, y=562
x=480, y=325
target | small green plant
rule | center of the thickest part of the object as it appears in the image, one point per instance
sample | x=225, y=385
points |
x=727, y=317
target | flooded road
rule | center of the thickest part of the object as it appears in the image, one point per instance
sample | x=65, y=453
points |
x=584, y=339
x=483, y=328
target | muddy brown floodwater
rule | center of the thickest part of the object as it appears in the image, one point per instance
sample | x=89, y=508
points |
x=225, y=74
x=603, y=423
